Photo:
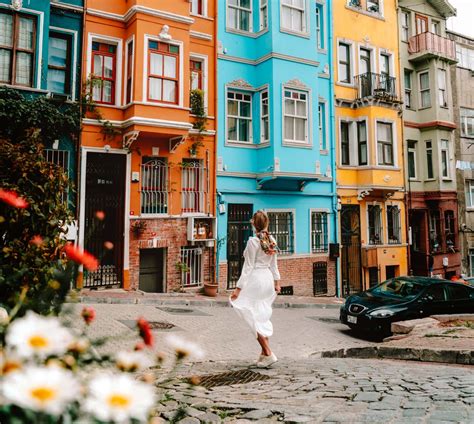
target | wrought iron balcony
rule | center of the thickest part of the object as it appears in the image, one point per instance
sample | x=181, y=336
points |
x=427, y=45
x=377, y=86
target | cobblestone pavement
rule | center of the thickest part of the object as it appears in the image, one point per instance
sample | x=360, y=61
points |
x=330, y=390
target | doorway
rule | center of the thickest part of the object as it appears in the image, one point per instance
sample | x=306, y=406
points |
x=152, y=270
x=391, y=271
x=351, y=257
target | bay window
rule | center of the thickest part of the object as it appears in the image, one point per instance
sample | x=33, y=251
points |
x=467, y=122
x=296, y=116
x=103, y=72
x=239, y=15
x=59, y=63
x=425, y=94
x=385, y=144
x=293, y=15
x=239, y=117
x=163, y=80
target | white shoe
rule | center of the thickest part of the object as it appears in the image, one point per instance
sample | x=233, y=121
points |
x=267, y=361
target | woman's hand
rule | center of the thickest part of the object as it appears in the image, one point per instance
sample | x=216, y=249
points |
x=235, y=294
x=277, y=288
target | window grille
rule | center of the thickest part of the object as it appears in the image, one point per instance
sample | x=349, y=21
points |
x=375, y=224
x=393, y=224
x=281, y=227
x=191, y=266
x=319, y=232
x=61, y=159
x=154, y=186
x=450, y=229
x=435, y=231
x=193, y=183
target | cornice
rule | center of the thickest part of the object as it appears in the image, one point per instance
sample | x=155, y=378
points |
x=141, y=9
x=138, y=120
x=268, y=56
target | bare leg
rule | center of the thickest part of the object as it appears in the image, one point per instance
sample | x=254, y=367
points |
x=263, y=341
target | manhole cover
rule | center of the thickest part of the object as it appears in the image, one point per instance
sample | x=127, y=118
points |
x=327, y=320
x=182, y=311
x=154, y=325
x=229, y=378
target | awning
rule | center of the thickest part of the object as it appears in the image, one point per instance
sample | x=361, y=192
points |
x=276, y=182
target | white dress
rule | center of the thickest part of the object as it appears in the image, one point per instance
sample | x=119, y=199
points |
x=256, y=282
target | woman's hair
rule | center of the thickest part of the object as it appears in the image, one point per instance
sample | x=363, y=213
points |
x=260, y=221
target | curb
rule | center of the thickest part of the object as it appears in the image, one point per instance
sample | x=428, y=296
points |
x=462, y=357
x=191, y=302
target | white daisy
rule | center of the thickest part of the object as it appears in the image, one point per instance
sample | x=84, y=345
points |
x=35, y=335
x=132, y=361
x=119, y=398
x=47, y=389
x=184, y=348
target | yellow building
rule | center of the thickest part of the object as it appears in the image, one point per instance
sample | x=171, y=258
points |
x=370, y=159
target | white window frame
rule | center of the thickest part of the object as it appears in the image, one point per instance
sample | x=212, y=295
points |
x=263, y=140
x=442, y=76
x=394, y=143
x=244, y=92
x=262, y=12
x=118, y=65
x=469, y=194
x=205, y=72
x=352, y=69
x=381, y=215
x=304, y=10
x=405, y=24
x=239, y=8
x=471, y=262
x=354, y=141
x=435, y=27
x=177, y=43
x=293, y=231
x=408, y=90
x=204, y=9
x=373, y=54
x=328, y=214
x=390, y=55
x=421, y=90
x=127, y=43
x=380, y=12
x=445, y=151
x=320, y=26
x=431, y=150
x=323, y=133
x=466, y=115
x=308, y=135
x=412, y=150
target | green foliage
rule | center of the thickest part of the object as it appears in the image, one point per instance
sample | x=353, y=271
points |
x=19, y=116
x=198, y=109
x=36, y=271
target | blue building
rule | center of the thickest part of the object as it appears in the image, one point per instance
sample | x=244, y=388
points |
x=40, y=54
x=276, y=137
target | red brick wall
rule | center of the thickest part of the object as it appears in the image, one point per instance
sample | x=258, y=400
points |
x=296, y=272
x=169, y=233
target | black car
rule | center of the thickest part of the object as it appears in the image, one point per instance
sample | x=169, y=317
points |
x=404, y=298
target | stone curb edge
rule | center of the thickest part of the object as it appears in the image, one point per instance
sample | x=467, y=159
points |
x=190, y=302
x=463, y=357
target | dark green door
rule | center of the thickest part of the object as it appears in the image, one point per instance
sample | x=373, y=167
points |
x=152, y=270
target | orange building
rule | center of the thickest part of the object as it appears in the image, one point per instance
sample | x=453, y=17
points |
x=148, y=151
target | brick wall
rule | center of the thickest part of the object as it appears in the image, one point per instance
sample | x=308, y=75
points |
x=171, y=234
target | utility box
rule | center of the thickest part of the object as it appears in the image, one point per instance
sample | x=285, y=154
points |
x=201, y=228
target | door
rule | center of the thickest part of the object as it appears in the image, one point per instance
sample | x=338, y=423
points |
x=461, y=299
x=239, y=230
x=320, y=278
x=421, y=24
x=391, y=271
x=351, y=257
x=433, y=301
x=419, y=258
x=365, y=72
x=152, y=269
x=105, y=191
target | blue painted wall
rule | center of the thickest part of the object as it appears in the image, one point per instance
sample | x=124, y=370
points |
x=273, y=58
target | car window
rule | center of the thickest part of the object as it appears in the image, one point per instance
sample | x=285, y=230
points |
x=436, y=292
x=458, y=292
x=398, y=287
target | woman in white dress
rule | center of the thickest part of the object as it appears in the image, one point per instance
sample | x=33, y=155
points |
x=258, y=286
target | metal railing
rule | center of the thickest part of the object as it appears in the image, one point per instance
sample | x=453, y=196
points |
x=61, y=159
x=154, y=188
x=191, y=266
x=428, y=42
x=319, y=232
x=375, y=225
x=281, y=228
x=379, y=86
x=193, y=187
x=393, y=224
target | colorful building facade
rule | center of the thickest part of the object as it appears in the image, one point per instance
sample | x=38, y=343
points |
x=275, y=138
x=426, y=56
x=147, y=152
x=370, y=159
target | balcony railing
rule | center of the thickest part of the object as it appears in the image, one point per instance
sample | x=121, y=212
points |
x=379, y=86
x=431, y=44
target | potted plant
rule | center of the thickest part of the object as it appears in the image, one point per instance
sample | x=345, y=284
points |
x=210, y=289
x=138, y=227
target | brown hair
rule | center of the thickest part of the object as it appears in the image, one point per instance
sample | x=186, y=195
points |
x=260, y=220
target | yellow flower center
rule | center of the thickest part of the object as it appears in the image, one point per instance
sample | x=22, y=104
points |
x=118, y=401
x=38, y=342
x=43, y=394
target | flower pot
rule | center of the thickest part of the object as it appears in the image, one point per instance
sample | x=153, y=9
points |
x=210, y=290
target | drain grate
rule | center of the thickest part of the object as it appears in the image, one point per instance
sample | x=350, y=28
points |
x=229, y=378
x=182, y=311
x=154, y=325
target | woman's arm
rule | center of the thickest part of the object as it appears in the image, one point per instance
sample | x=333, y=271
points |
x=275, y=272
x=250, y=253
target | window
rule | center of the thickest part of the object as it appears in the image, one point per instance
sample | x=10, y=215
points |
x=239, y=116
x=393, y=225
x=425, y=89
x=196, y=74
x=239, y=15
x=450, y=230
x=385, y=66
x=322, y=125
x=345, y=144
x=103, y=72
x=320, y=33
x=457, y=292
x=411, y=159
x=442, y=96
x=362, y=142
x=467, y=122
x=293, y=15
x=421, y=24
x=408, y=85
x=17, y=49
x=265, y=115
x=465, y=57
x=319, y=232
x=281, y=227
x=296, y=116
x=59, y=63
x=154, y=185
x=129, y=97
x=471, y=261
x=429, y=160
x=445, y=159
x=191, y=271
x=405, y=26
x=193, y=179
x=365, y=61
x=345, y=63
x=61, y=159
x=385, y=144
x=163, y=82
x=373, y=6
x=263, y=14
x=435, y=27
x=375, y=224
x=435, y=231
x=196, y=7
x=469, y=184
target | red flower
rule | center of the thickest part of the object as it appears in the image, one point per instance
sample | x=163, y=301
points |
x=88, y=314
x=145, y=331
x=12, y=198
x=100, y=215
x=37, y=241
x=81, y=257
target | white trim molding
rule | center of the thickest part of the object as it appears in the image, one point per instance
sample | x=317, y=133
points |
x=138, y=120
x=141, y=9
